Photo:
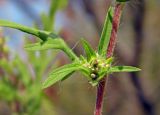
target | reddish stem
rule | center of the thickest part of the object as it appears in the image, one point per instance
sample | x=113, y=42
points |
x=99, y=99
x=102, y=83
x=115, y=25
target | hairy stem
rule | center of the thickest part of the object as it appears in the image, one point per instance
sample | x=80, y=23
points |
x=115, y=25
x=112, y=42
x=100, y=95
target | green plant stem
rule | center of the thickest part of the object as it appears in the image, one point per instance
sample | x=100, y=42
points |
x=70, y=53
x=43, y=35
x=39, y=33
x=100, y=95
x=112, y=42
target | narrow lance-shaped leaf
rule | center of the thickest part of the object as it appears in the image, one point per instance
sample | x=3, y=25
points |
x=123, y=69
x=106, y=33
x=88, y=49
x=49, y=19
x=49, y=44
x=60, y=73
x=43, y=35
x=52, y=12
x=55, y=5
x=84, y=70
x=109, y=60
x=52, y=44
x=45, y=19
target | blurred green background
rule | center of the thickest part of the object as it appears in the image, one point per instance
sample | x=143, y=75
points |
x=22, y=72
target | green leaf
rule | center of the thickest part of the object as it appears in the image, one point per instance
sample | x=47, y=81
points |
x=5, y=65
x=123, y=69
x=60, y=73
x=84, y=70
x=54, y=7
x=106, y=33
x=49, y=44
x=46, y=22
x=88, y=49
x=21, y=66
x=63, y=3
x=46, y=37
x=52, y=44
x=43, y=35
x=109, y=60
x=8, y=92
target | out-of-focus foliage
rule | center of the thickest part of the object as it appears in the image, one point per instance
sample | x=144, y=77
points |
x=85, y=17
x=21, y=76
x=49, y=19
x=21, y=81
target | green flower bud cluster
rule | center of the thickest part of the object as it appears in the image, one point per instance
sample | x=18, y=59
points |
x=98, y=67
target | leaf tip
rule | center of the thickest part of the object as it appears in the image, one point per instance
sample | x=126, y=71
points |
x=44, y=85
x=138, y=69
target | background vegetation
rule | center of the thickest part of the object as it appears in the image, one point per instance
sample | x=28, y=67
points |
x=21, y=72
